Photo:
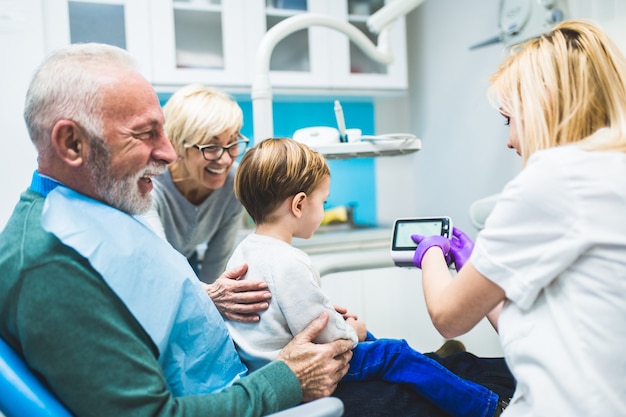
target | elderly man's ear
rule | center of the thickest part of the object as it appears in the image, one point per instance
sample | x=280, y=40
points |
x=70, y=142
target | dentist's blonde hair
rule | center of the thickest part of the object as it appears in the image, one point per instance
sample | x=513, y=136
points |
x=562, y=87
x=274, y=170
x=196, y=113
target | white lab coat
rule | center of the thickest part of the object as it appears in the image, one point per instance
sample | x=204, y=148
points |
x=556, y=244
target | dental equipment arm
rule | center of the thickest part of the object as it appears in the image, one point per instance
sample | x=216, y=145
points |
x=388, y=14
x=379, y=22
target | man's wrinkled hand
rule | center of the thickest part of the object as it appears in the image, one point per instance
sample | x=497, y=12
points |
x=238, y=299
x=318, y=367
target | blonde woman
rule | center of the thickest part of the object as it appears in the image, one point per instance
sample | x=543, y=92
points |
x=194, y=204
x=553, y=251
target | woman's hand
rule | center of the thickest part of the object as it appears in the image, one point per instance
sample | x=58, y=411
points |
x=461, y=247
x=238, y=299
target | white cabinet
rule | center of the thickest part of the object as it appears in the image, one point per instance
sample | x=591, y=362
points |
x=353, y=68
x=328, y=58
x=300, y=60
x=199, y=41
x=118, y=22
x=215, y=42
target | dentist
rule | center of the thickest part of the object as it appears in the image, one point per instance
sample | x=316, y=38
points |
x=552, y=253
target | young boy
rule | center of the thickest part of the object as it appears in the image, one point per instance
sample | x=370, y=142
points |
x=283, y=185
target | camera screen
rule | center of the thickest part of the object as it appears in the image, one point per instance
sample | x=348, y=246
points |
x=404, y=230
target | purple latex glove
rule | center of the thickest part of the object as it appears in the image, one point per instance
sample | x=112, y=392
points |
x=461, y=247
x=426, y=242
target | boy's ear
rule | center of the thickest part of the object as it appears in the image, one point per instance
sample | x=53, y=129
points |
x=297, y=203
x=70, y=143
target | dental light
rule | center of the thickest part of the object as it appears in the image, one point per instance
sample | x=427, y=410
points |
x=379, y=23
x=520, y=20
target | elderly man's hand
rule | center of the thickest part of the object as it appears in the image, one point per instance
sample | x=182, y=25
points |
x=237, y=299
x=319, y=367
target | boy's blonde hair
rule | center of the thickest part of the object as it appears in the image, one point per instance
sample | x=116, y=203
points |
x=196, y=113
x=274, y=170
x=562, y=87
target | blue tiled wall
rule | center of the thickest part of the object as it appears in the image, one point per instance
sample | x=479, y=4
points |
x=353, y=180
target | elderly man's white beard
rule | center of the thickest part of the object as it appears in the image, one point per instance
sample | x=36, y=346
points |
x=123, y=194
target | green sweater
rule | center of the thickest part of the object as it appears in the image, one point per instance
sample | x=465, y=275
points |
x=58, y=313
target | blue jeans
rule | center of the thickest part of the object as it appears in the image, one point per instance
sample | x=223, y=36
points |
x=393, y=360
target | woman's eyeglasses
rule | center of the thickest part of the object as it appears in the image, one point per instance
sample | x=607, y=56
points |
x=214, y=152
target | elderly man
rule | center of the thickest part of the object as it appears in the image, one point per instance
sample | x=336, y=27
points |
x=110, y=317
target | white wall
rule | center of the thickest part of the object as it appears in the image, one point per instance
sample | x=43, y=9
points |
x=464, y=155
x=21, y=49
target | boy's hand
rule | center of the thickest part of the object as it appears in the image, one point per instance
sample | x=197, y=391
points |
x=344, y=312
x=359, y=327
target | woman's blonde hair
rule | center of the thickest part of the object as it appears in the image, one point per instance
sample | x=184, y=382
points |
x=274, y=170
x=562, y=87
x=196, y=113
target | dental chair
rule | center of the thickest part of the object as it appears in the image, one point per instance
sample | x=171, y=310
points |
x=23, y=395
x=481, y=209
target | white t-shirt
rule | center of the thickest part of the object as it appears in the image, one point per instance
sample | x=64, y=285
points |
x=297, y=299
x=556, y=243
